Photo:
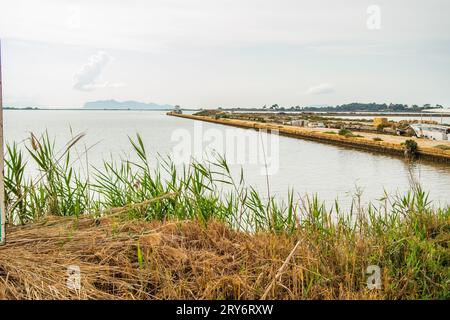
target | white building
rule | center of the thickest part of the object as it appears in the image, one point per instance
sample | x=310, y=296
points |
x=298, y=123
x=431, y=131
x=316, y=125
x=177, y=110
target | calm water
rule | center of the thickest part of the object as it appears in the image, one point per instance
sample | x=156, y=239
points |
x=308, y=167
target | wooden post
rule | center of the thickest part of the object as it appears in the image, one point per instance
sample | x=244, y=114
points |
x=2, y=183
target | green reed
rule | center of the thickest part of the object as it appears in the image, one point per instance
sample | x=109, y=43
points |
x=201, y=191
x=407, y=235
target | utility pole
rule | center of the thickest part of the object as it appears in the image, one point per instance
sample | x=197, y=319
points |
x=2, y=166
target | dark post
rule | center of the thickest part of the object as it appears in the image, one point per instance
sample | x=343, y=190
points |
x=2, y=183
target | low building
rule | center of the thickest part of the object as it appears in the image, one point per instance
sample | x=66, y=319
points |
x=434, y=132
x=320, y=125
x=299, y=123
x=177, y=110
x=316, y=125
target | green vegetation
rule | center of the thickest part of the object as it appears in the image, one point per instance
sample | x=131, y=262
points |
x=348, y=134
x=222, y=116
x=25, y=108
x=372, y=107
x=411, y=147
x=350, y=107
x=406, y=236
x=344, y=132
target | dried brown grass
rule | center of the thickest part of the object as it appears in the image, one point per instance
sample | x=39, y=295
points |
x=181, y=260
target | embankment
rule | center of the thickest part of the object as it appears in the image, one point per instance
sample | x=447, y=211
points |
x=322, y=136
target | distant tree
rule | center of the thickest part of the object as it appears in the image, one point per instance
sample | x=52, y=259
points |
x=364, y=107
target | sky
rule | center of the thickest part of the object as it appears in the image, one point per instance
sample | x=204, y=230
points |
x=225, y=53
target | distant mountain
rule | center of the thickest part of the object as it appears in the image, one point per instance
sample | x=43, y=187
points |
x=125, y=105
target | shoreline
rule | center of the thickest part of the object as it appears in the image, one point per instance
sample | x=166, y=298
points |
x=427, y=153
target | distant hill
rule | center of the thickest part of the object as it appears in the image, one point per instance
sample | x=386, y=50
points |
x=125, y=105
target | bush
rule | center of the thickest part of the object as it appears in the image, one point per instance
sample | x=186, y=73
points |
x=348, y=134
x=411, y=147
x=345, y=132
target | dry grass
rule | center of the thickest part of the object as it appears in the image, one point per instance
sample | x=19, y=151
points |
x=180, y=260
x=443, y=147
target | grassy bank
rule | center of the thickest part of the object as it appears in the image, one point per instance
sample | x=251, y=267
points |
x=147, y=229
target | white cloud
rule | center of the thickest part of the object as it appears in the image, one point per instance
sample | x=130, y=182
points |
x=161, y=24
x=86, y=78
x=323, y=88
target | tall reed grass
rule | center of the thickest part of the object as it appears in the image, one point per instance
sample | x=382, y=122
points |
x=407, y=235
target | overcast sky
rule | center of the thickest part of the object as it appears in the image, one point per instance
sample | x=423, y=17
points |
x=211, y=53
